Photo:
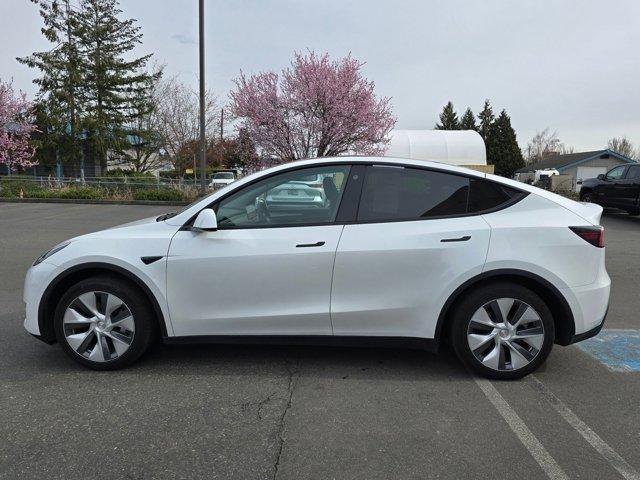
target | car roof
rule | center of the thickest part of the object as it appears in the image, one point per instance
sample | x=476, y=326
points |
x=197, y=206
x=355, y=159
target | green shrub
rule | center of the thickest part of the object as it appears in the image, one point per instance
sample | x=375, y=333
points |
x=84, y=193
x=129, y=176
x=164, y=194
x=80, y=192
x=11, y=186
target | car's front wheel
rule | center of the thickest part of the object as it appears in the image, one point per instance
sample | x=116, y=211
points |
x=586, y=197
x=104, y=322
x=502, y=331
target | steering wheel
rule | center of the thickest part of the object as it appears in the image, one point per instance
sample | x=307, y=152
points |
x=263, y=211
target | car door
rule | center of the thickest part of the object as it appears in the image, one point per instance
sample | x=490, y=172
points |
x=630, y=187
x=611, y=191
x=267, y=269
x=411, y=245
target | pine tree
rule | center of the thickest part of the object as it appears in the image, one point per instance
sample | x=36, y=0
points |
x=448, y=119
x=468, y=121
x=58, y=106
x=502, y=147
x=485, y=118
x=117, y=88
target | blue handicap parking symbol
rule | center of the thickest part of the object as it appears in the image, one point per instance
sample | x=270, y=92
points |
x=619, y=350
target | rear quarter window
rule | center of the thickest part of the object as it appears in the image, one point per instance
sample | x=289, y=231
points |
x=488, y=195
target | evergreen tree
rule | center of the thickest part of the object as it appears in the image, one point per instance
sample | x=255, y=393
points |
x=468, y=121
x=502, y=147
x=485, y=118
x=117, y=88
x=448, y=119
x=58, y=106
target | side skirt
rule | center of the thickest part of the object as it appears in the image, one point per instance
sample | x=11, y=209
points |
x=414, y=343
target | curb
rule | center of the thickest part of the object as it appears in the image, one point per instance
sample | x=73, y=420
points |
x=91, y=201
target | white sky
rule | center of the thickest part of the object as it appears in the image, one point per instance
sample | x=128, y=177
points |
x=571, y=65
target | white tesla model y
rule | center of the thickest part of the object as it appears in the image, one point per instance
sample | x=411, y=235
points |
x=381, y=251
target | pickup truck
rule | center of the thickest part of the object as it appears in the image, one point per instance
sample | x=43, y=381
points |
x=618, y=188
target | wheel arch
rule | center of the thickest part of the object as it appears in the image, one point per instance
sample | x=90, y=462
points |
x=584, y=190
x=77, y=273
x=563, y=319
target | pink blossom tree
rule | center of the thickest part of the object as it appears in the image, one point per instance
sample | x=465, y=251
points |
x=16, y=128
x=317, y=108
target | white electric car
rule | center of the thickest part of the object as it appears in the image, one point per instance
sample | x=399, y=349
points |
x=400, y=252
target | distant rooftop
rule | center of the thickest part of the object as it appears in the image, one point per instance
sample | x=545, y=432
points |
x=560, y=162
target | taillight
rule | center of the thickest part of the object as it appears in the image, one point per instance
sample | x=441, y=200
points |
x=594, y=235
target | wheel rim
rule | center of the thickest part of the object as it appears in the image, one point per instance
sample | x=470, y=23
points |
x=586, y=198
x=98, y=326
x=505, y=334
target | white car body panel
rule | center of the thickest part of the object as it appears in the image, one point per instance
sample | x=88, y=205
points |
x=252, y=281
x=121, y=246
x=376, y=279
x=392, y=279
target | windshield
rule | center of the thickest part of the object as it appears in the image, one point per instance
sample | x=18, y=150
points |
x=166, y=216
x=223, y=176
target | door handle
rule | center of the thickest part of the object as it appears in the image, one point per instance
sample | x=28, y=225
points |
x=461, y=239
x=306, y=245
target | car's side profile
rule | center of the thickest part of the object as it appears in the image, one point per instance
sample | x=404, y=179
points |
x=397, y=252
x=618, y=188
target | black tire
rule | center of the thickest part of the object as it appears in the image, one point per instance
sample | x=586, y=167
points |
x=137, y=303
x=472, y=302
x=586, y=197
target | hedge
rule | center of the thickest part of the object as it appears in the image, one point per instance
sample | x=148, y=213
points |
x=163, y=194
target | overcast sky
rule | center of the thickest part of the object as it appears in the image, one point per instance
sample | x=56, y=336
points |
x=570, y=65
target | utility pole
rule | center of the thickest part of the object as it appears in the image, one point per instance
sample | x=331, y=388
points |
x=203, y=147
x=221, y=123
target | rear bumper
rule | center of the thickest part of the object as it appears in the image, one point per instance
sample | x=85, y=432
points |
x=589, y=333
x=589, y=305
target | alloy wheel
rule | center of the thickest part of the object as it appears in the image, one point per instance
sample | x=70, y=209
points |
x=98, y=326
x=505, y=334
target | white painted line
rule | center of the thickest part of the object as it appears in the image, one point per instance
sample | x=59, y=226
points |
x=528, y=439
x=608, y=453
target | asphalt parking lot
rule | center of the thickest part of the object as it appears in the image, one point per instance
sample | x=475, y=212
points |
x=292, y=412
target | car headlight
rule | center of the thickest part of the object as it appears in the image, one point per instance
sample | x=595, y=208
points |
x=50, y=252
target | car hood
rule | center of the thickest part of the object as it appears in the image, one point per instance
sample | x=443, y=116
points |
x=146, y=227
x=142, y=221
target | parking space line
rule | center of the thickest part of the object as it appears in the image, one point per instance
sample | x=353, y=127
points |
x=608, y=453
x=526, y=436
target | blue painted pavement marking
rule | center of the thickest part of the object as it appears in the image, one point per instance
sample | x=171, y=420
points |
x=619, y=350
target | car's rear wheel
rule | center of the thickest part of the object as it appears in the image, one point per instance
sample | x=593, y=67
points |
x=104, y=323
x=502, y=331
x=586, y=197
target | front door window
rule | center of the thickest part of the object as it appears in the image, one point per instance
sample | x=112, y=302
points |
x=309, y=196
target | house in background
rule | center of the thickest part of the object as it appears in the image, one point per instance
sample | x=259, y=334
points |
x=578, y=166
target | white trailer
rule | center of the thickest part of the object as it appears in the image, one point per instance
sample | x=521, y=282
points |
x=455, y=147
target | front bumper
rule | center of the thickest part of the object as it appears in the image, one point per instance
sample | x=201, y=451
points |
x=35, y=283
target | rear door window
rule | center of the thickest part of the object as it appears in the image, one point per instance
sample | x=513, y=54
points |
x=398, y=193
x=633, y=172
x=393, y=193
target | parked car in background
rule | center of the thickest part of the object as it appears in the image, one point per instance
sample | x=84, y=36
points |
x=618, y=188
x=542, y=175
x=221, y=179
x=401, y=252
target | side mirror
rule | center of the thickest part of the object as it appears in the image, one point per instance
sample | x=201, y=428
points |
x=602, y=176
x=206, y=221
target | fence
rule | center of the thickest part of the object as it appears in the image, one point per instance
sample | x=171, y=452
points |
x=107, y=188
